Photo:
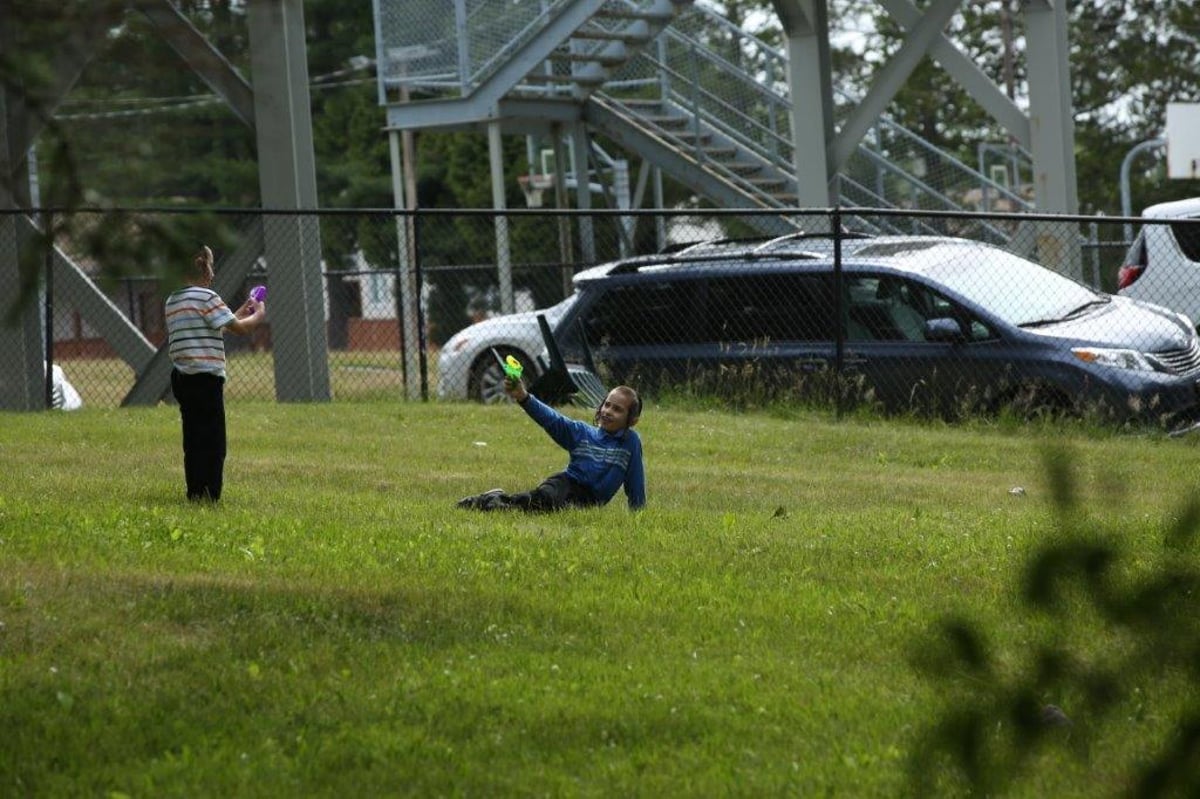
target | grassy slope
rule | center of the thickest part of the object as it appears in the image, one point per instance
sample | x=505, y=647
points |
x=335, y=626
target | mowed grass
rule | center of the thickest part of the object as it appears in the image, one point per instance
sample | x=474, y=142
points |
x=356, y=375
x=335, y=627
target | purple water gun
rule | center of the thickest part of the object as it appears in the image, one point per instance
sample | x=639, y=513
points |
x=258, y=293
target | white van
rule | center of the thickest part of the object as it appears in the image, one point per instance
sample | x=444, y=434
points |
x=1162, y=265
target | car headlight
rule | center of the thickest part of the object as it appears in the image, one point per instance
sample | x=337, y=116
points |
x=1119, y=359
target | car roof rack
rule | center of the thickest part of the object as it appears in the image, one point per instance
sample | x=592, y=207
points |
x=801, y=236
x=637, y=264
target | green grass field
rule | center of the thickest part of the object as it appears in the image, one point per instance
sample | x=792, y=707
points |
x=335, y=627
x=370, y=375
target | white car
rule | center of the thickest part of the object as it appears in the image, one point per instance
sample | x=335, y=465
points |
x=1163, y=263
x=467, y=369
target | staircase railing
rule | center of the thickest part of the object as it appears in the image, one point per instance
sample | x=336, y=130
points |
x=438, y=55
x=713, y=91
x=424, y=49
x=734, y=83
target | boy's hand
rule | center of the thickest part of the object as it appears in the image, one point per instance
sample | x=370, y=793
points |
x=515, y=389
x=250, y=308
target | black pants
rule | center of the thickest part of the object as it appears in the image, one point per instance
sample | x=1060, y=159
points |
x=201, y=401
x=554, y=493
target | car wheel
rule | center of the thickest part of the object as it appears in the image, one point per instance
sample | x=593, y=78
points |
x=487, y=378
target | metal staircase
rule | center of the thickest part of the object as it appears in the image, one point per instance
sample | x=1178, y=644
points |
x=667, y=80
x=498, y=59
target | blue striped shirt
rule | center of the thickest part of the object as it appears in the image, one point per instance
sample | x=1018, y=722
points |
x=602, y=461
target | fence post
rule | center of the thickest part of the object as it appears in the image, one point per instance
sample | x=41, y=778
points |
x=48, y=221
x=419, y=291
x=840, y=301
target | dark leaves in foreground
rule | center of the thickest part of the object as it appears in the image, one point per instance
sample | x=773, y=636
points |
x=1100, y=624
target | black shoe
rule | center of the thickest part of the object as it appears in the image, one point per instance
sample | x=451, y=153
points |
x=493, y=500
x=486, y=501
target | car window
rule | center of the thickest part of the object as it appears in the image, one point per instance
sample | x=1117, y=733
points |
x=646, y=312
x=888, y=308
x=1187, y=235
x=769, y=307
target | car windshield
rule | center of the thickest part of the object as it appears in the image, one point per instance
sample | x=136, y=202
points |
x=1018, y=291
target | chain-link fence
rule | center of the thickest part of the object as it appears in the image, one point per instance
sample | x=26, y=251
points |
x=376, y=304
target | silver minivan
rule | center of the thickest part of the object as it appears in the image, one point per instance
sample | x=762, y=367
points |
x=1162, y=265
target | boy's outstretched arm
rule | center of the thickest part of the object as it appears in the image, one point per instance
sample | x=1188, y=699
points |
x=635, y=479
x=563, y=430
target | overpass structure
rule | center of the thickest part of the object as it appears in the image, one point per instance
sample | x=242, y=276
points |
x=737, y=122
x=670, y=82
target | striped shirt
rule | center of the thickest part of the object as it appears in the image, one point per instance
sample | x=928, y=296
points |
x=196, y=318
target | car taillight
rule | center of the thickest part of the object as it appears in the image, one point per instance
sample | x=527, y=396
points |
x=1128, y=274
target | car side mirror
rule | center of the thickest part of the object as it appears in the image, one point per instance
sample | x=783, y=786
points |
x=944, y=330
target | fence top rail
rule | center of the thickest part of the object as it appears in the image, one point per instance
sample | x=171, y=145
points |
x=839, y=211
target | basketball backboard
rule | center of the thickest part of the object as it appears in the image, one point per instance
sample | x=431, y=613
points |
x=1183, y=140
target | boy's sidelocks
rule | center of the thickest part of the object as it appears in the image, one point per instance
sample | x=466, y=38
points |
x=604, y=457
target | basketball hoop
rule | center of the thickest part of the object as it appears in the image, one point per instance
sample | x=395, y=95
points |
x=533, y=186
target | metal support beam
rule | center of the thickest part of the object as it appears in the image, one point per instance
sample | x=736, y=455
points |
x=580, y=147
x=287, y=176
x=400, y=148
x=566, y=245
x=806, y=26
x=22, y=343
x=891, y=78
x=198, y=53
x=1052, y=120
x=968, y=74
x=500, y=205
x=22, y=340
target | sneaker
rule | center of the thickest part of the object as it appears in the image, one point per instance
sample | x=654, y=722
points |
x=493, y=500
x=485, y=501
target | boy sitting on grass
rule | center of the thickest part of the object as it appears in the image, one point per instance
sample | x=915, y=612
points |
x=604, y=457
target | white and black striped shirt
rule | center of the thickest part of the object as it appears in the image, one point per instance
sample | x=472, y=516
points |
x=196, y=318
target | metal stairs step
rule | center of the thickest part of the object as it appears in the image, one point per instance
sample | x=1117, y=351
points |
x=639, y=37
x=592, y=81
x=603, y=59
x=633, y=14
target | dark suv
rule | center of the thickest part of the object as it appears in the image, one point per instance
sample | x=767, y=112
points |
x=912, y=323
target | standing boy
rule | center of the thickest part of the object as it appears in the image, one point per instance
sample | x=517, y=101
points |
x=196, y=321
x=604, y=457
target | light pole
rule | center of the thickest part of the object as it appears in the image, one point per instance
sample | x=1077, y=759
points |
x=1149, y=144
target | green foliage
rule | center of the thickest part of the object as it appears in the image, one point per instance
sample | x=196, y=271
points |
x=336, y=627
x=1004, y=706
